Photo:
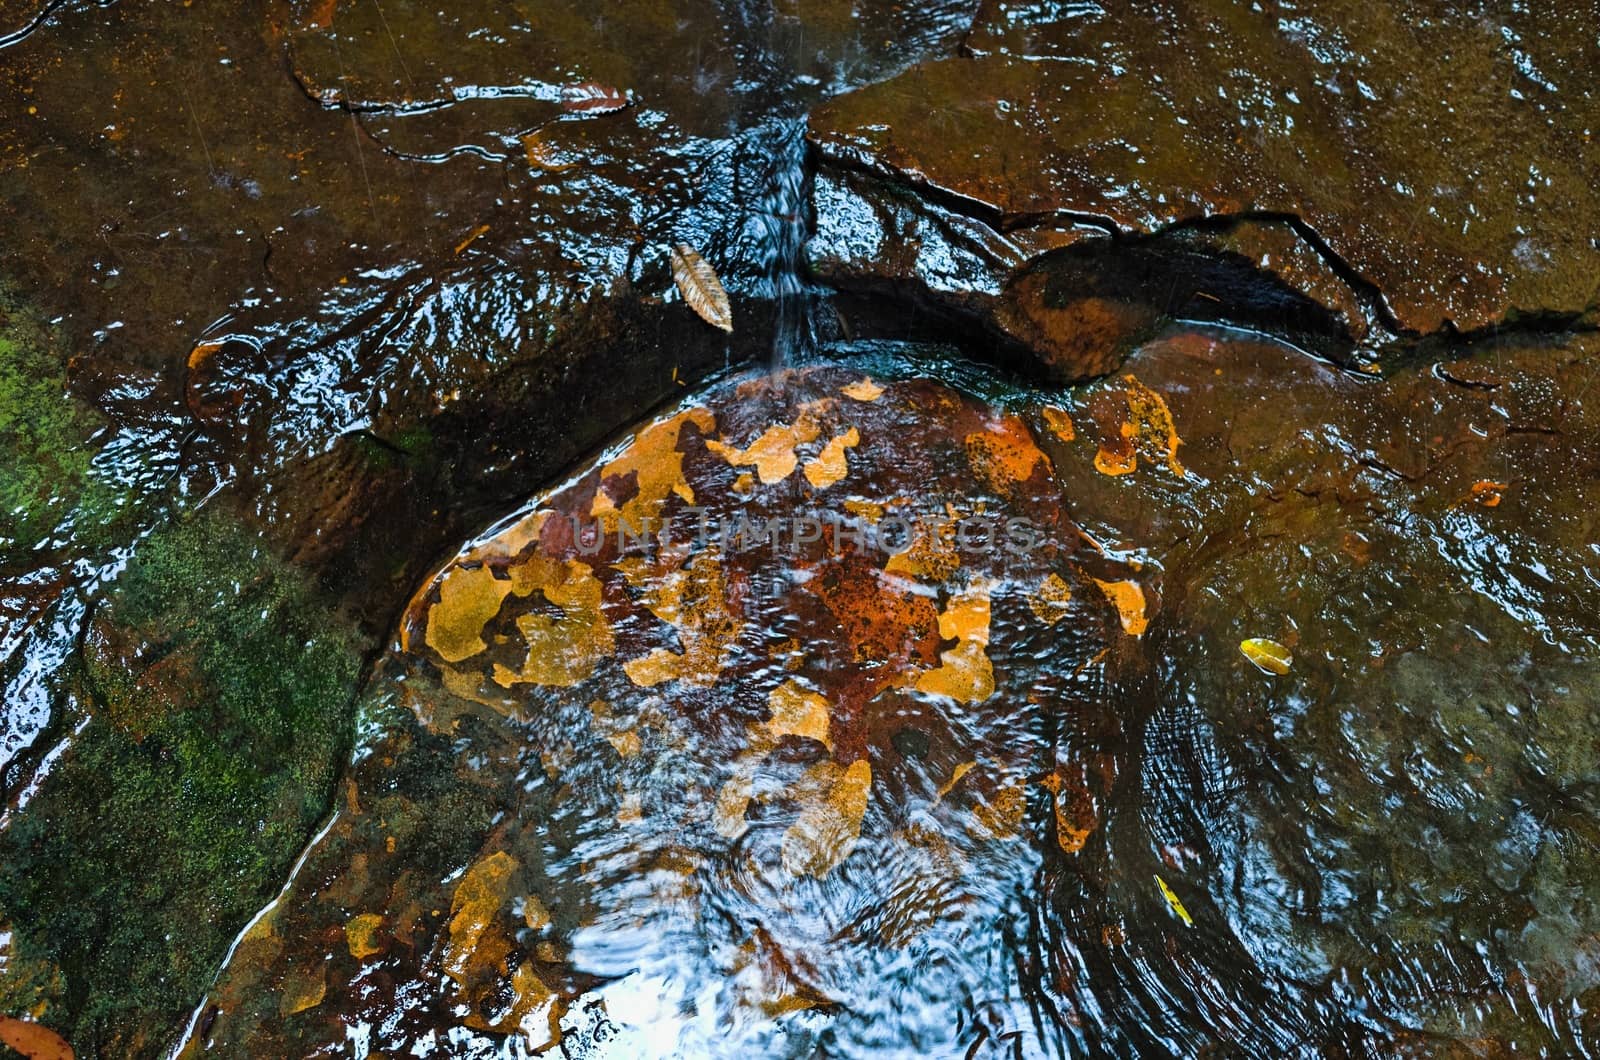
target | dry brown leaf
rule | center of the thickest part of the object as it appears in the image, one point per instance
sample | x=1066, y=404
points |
x=33, y=1040
x=697, y=282
x=591, y=97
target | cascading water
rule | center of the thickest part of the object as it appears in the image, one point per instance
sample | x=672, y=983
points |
x=782, y=212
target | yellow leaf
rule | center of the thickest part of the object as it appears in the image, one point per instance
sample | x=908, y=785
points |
x=1128, y=599
x=473, y=909
x=361, y=935
x=1172, y=900
x=828, y=829
x=966, y=674
x=562, y=651
x=864, y=390
x=693, y=601
x=1268, y=655
x=468, y=599
x=698, y=284
x=655, y=466
x=772, y=454
x=830, y=465
x=797, y=711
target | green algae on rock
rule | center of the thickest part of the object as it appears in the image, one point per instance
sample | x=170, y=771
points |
x=218, y=690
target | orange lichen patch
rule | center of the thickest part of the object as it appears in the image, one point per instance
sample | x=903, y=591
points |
x=1118, y=460
x=561, y=650
x=932, y=555
x=863, y=390
x=303, y=988
x=744, y=483
x=468, y=599
x=887, y=625
x=773, y=453
x=966, y=674
x=829, y=827
x=361, y=935
x=693, y=601
x=1148, y=431
x=830, y=465
x=797, y=711
x=1128, y=598
x=1076, y=812
x=476, y=943
x=1050, y=602
x=654, y=465
x=1059, y=422
x=1005, y=453
x=1487, y=493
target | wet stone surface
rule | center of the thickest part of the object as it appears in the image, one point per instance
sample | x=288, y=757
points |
x=1272, y=734
x=1436, y=154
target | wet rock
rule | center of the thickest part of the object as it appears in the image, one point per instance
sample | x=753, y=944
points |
x=209, y=714
x=1437, y=155
x=598, y=763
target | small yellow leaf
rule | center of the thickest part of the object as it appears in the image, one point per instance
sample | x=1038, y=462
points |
x=830, y=465
x=797, y=711
x=1128, y=599
x=1268, y=655
x=865, y=390
x=700, y=287
x=1172, y=900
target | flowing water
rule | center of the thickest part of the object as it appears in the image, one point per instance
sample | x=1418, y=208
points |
x=454, y=655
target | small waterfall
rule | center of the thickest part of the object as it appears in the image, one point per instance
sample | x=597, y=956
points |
x=783, y=211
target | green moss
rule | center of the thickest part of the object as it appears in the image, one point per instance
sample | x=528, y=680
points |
x=152, y=843
x=47, y=481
